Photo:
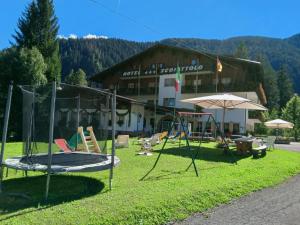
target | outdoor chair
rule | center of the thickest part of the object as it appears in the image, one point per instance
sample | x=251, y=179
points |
x=146, y=148
x=259, y=148
x=231, y=143
x=163, y=135
x=154, y=140
x=122, y=141
x=175, y=137
x=220, y=142
x=270, y=142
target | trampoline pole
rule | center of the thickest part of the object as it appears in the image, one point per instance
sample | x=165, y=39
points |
x=4, y=133
x=51, y=128
x=113, y=133
x=78, y=119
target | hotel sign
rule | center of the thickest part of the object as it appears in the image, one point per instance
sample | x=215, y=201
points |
x=168, y=70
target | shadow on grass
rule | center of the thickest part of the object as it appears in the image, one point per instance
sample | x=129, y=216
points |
x=27, y=192
x=206, y=154
x=213, y=155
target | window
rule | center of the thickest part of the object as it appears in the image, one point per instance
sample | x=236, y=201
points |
x=169, y=102
x=169, y=82
x=226, y=127
x=226, y=80
x=194, y=62
x=207, y=127
x=151, y=84
x=131, y=85
x=236, y=128
x=197, y=82
x=161, y=66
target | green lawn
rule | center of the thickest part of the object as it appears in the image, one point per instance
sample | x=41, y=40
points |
x=169, y=193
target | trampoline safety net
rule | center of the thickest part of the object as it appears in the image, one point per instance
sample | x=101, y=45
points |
x=80, y=123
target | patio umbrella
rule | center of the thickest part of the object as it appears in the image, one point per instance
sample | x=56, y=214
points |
x=225, y=102
x=279, y=124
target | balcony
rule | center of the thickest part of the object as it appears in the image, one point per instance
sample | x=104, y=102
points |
x=147, y=91
x=127, y=91
x=197, y=89
x=134, y=91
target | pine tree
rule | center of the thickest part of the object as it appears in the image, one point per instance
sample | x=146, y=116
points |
x=285, y=86
x=38, y=27
x=291, y=112
x=76, y=78
x=32, y=66
x=22, y=66
x=241, y=51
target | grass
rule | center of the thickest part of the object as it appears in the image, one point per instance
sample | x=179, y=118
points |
x=169, y=193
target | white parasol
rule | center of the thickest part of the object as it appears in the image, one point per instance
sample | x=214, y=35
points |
x=279, y=124
x=225, y=102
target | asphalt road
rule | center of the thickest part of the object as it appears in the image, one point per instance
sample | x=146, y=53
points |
x=278, y=205
x=293, y=146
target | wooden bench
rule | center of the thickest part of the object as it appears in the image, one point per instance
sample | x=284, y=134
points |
x=260, y=151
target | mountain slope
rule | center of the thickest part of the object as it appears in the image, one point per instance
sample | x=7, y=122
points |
x=94, y=55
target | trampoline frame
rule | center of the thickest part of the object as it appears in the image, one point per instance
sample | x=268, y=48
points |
x=16, y=163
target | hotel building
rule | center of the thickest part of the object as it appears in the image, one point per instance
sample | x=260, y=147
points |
x=149, y=77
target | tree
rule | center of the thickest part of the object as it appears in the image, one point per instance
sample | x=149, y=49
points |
x=291, y=113
x=38, y=27
x=32, y=66
x=285, y=86
x=77, y=78
x=241, y=51
x=23, y=66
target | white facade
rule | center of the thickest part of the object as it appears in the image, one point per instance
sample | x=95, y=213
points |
x=235, y=116
x=141, y=119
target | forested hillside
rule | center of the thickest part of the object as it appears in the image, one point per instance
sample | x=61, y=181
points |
x=94, y=55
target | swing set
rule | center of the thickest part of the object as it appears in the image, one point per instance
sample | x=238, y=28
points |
x=179, y=116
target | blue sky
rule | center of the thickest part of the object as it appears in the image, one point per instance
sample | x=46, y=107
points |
x=157, y=19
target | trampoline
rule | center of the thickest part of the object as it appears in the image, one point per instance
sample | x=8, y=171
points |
x=63, y=162
x=51, y=112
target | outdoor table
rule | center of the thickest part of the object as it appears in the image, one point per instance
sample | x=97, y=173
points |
x=244, y=145
x=235, y=136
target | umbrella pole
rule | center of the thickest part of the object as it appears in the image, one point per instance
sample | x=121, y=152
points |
x=223, y=120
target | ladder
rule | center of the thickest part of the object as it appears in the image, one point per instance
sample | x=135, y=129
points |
x=89, y=142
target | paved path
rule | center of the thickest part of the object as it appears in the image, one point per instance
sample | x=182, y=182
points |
x=293, y=146
x=279, y=205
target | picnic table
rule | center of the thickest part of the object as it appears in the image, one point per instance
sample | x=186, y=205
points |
x=244, y=144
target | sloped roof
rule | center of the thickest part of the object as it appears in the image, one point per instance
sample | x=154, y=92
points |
x=101, y=75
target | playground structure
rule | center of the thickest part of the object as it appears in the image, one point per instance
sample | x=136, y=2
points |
x=178, y=119
x=53, y=113
x=81, y=141
x=89, y=142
